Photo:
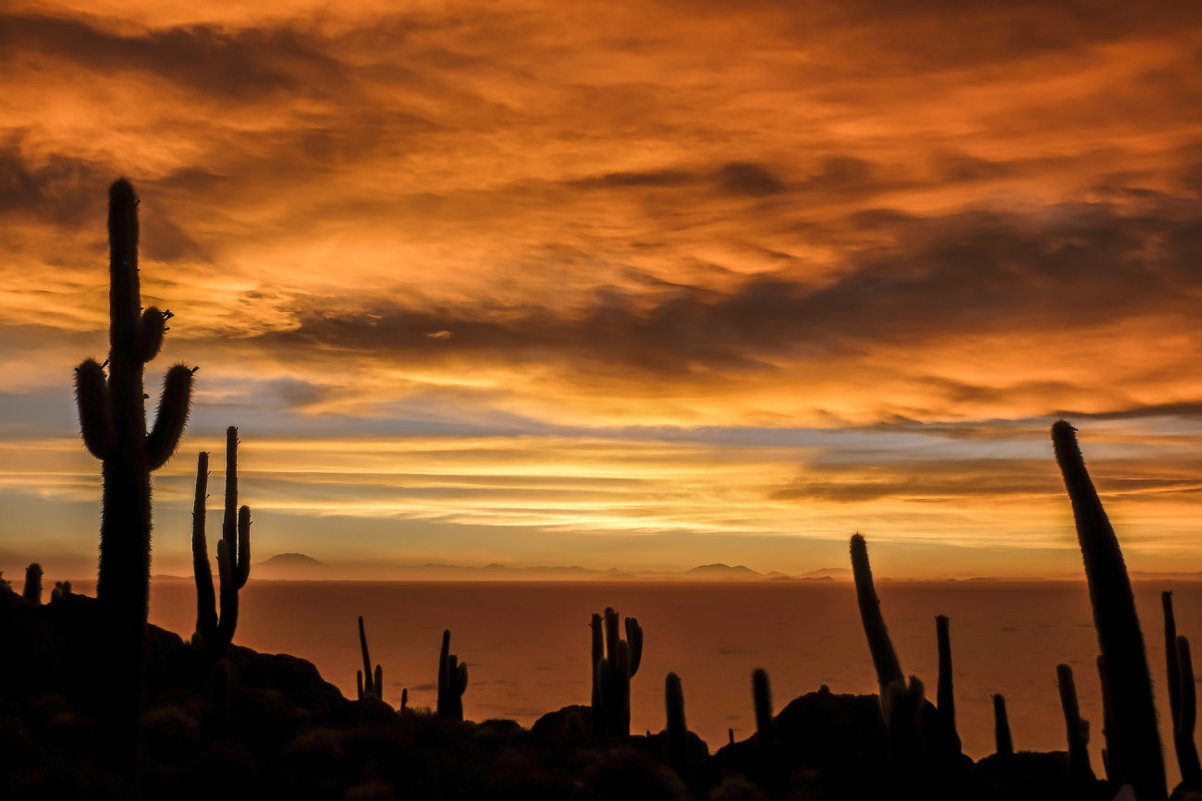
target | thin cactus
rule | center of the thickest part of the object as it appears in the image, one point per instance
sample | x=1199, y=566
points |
x=945, y=693
x=33, y=584
x=1080, y=772
x=452, y=681
x=214, y=633
x=112, y=416
x=615, y=663
x=1182, y=713
x=884, y=657
x=1122, y=642
x=1004, y=744
x=677, y=728
x=1185, y=717
x=404, y=700
x=370, y=684
x=761, y=694
x=730, y=736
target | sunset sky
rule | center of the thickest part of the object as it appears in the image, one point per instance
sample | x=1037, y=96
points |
x=620, y=284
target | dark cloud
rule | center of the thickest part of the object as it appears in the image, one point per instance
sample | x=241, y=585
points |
x=1066, y=267
x=742, y=178
x=211, y=60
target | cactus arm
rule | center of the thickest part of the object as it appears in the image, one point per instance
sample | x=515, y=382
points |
x=884, y=657
x=172, y=416
x=359, y=683
x=149, y=339
x=206, y=601
x=444, y=686
x=460, y=688
x=229, y=596
x=598, y=653
x=95, y=409
x=33, y=584
x=1122, y=643
x=634, y=635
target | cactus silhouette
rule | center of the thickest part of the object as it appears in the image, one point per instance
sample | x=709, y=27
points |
x=1133, y=711
x=945, y=694
x=33, y=584
x=677, y=729
x=884, y=658
x=615, y=662
x=1110, y=761
x=214, y=634
x=369, y=684
x=112, y=417
x=452, y=681
x=1004, y=744
x=1076, y=729
x=62, y=589
x=761, y=694
x=1185, y=716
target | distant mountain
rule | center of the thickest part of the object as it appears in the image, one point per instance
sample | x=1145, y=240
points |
x=289, y=565
x=724, y=572
x=827, y=573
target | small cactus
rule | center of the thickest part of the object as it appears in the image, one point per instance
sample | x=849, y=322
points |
x=945, y=694
x=761, y=694
x=677, y=728
x=62, y=589
x=1133, y=710
x=1185, y=717
x=1080, y=772
x=33, y=584
x=369, y=684
x=1001, y=727
x=214, y=634
x=452, y=681
x=615, y=663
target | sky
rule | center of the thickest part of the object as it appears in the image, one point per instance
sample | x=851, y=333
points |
x=626, y=284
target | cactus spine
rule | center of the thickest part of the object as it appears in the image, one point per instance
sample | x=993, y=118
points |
x=1139, y=756
x=761, y=693
x=233, y=554
x=1080, y=772
x=677, y=729
x=112, y=416
x=33, y=584
x=1004, y=745
x=1185, y=716
x=615, y=662
x=452, y=681
x=369, y=684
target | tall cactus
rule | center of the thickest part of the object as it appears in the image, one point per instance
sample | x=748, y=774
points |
x=1080, y=772
x=33, y=584
x=112, y=416
x=233, y=554
x=452, y=681
x=370, y=684
x=1139, y=756
x=677, y=728
x=615, y=663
